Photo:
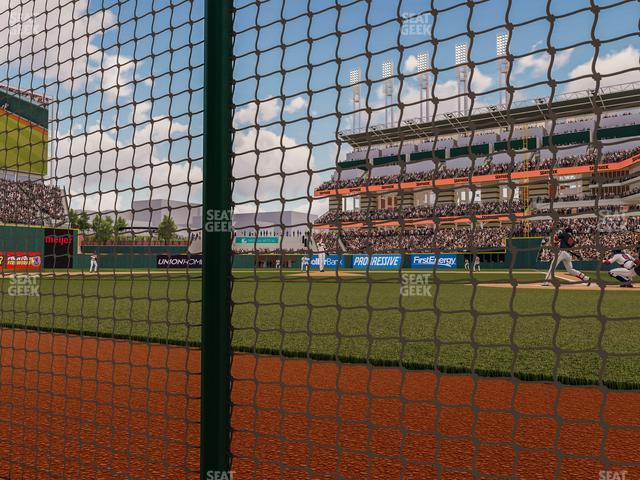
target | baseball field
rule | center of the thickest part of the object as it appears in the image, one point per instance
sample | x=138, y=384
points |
x=452, y=320
x=22, y=146
x=118, y=352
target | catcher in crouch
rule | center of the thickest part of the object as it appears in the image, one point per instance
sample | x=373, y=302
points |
x=627, y=270
x=564, y=242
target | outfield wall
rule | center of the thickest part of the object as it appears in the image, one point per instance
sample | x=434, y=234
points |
x=35, y=248
x=522, y=253
x=127, y=256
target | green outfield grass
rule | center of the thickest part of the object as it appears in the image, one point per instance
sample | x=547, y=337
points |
x=22, y=148
x=162, y=308
x=533, y=334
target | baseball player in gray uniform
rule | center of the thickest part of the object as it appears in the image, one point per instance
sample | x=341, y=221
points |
x=565, y=242
x=627, y=270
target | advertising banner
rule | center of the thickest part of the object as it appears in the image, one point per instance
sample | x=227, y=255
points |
x=252, y=240
x=330, y=261
x=179, y=261
x=378, y=261
x=58, y=248
x=428, y=260
x=20, y=260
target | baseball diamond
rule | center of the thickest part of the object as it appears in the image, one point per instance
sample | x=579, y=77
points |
x=349, y=239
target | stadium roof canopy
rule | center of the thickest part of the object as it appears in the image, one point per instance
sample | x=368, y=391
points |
x=584, y=102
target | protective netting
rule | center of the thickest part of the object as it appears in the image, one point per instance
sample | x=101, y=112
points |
x=101, y=141
x=436, y=238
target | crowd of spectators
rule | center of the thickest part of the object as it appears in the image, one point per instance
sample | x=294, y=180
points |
x=30, y=203
x=595, y=237
x=485, y=169
x=427, y=239
x=422, y=211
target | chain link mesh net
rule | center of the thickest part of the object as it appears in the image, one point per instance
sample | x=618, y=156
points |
x=101, y=114
x=435, y=239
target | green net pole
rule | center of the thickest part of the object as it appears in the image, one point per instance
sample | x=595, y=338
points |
x=216, y=317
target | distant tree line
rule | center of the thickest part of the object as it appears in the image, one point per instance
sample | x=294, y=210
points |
x=105, y=228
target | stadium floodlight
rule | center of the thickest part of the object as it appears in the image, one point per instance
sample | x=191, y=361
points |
x=423, y=79
x=354, y=81
x=501, y=44
x=461, y=54
x=503, y=67
x=354, y=76
x=387, y=69
x=387, y=72
x=423, y=62
x=463, y=88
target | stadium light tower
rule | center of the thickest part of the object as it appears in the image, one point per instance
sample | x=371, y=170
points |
x=461, y=64
x=501, y=53
x=354, y=81
x=423, y=78
x=387, y=72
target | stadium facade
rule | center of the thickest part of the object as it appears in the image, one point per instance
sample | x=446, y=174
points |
x=471, y=184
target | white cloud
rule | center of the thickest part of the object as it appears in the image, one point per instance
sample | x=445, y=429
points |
x=481, y=82
x=538, y=64
x=411, y=64
x=60, y=42
x=609, y=64
x=267, y=111
x=275, y=166
x=295, y=104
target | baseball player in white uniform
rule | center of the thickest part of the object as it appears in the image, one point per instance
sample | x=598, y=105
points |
x=304, y=264
x=565, y=242
x=627, y=270
x=93, y=263
x=476, y=263
x=322, y=256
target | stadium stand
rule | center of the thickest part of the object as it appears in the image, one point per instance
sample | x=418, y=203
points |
x=617, y=232
x=488, y=168
x=31, y=203
x=26, y=198
x=468, y=199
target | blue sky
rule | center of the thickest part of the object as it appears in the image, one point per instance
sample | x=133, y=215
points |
x=127, y=79
x=284, y=48
x=127, y=84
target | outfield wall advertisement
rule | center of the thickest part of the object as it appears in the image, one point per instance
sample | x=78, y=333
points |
x=179, y=261
x=20, y=260
x=330, y=261
x=378, y=262
x=428, y=260
x=58, y=248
